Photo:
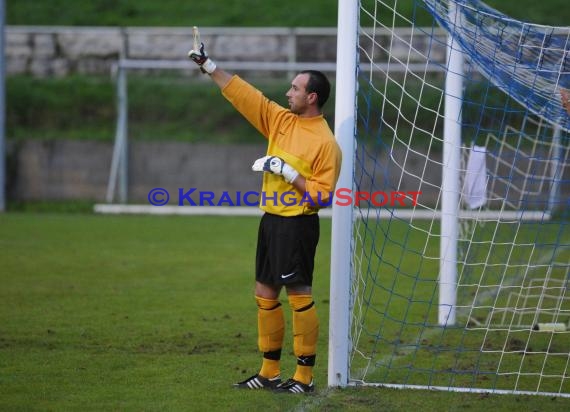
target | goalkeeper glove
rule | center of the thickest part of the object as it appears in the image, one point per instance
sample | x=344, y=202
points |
x=275, y=165
x=200, y=57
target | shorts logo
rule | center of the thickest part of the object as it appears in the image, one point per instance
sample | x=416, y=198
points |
x=288, y=275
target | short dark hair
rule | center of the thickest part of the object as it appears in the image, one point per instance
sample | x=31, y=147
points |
x=318, y=83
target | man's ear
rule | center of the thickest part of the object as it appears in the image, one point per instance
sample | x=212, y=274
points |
x=312, y=98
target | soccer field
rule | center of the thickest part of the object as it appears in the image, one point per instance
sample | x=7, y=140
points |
x=157, y=313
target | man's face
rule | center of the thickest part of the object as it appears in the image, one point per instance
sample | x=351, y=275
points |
x=297, y=95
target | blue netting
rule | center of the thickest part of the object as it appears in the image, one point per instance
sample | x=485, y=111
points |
x=529, y=62
x=512, y=272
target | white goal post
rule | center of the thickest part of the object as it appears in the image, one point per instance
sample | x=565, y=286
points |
x=341, y=246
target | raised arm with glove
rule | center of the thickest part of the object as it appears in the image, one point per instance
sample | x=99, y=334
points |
x=200, y=57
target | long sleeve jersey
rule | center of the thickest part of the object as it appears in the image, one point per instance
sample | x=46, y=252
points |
x=307, y=144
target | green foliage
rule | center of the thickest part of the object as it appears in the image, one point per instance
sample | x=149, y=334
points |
x=170, y=13
x=168, y=108
x=74, y=107
x=258, y=13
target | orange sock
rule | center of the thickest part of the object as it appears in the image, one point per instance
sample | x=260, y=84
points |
x=270, y=329
x=305, y=335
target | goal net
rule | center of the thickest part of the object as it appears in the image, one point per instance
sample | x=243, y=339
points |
x=467, y=288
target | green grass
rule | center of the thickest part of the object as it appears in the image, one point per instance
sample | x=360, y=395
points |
x=140, y=313
x=84, y=108
x=182, y=109
x=72, y=108
x=169, y=13
x=233, y=13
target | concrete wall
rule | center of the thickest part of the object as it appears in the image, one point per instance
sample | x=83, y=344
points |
x=66, y=169
x=61, y=51
x=61, y=169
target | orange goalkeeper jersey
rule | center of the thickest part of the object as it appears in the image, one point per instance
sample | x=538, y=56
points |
x=307, y=144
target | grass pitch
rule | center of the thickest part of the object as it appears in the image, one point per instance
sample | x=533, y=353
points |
x=140, y=313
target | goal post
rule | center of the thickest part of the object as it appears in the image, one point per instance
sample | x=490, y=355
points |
x=341, y=250
x=450, y=179
x=468, y=289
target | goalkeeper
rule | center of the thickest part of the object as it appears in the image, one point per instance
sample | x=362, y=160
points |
x=302, y=158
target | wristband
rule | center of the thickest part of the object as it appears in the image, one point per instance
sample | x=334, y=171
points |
x=289, y=174
x=209, y=66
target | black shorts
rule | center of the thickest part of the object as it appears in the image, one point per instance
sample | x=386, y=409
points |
x=286, y=249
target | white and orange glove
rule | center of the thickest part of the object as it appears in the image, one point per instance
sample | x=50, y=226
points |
x=275, y=165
